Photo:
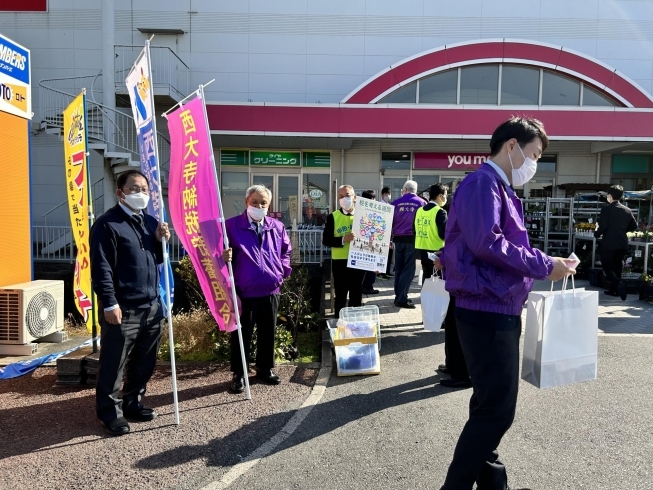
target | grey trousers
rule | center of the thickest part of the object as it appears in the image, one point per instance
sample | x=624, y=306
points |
x=128, y=348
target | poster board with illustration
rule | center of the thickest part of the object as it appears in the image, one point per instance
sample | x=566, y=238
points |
x=372, y=227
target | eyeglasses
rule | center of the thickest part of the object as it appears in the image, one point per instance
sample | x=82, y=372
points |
x=136, y=189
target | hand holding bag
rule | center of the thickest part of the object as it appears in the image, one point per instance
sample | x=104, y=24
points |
x=435, y=302
x=561, y=339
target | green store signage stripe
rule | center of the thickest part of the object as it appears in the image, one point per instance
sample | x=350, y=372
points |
x=233, y=157
x=317, y=159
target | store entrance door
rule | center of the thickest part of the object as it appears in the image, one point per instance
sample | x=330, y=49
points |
x=285, y=195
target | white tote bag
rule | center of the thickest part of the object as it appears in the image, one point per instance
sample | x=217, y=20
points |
x=435, y=301
x=561, y=339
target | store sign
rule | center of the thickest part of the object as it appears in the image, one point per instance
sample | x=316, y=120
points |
x=15, y=92
x=275, y=159
x=233, y=157
x=317, y=159
x=449, y=161
x=316, y=193
x=23, y=6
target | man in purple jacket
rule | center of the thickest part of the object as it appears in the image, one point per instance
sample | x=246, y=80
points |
x=261, y=261
x=490, y=270
x=403, y=238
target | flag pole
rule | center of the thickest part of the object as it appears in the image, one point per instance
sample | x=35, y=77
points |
x=226, y=245
x=91, y=220
x=164, y=244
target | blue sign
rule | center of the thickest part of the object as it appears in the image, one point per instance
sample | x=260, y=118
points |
x=14, y=60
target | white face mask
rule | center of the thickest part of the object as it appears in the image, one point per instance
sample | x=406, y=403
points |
x=524, y=173
x=257, y=214
x=386, y=198
x=137, y=201
x=444, y=202
x=346, y=203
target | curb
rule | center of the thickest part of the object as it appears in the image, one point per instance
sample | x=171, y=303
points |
x=291, y=426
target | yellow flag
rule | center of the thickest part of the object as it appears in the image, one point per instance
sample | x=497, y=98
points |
x=78, y=202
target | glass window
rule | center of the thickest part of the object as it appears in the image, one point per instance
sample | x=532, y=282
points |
x=519, y=85
x=288, y=198
x=424, y=182
x=403, y=95
x=395, y=161
x=479, y=84
x=234, y=185
x=315, y=199
x=546, y=163
x=395, y=184
x=595, y=98
x=559, y=90
x=439, y=89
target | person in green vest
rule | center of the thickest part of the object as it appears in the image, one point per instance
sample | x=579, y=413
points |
x=338, y=235
x=430, y=222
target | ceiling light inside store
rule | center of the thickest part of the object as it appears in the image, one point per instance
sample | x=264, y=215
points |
x=404, y=156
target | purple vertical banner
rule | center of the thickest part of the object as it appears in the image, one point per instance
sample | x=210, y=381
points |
x=194, y=209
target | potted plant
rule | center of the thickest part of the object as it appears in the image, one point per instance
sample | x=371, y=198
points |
x=646, y=287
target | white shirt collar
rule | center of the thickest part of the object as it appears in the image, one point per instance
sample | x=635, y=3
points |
x=127, y=210
x=498, y=170
x=251, y=221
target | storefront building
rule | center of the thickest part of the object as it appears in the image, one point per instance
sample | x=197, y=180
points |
x=313, y=94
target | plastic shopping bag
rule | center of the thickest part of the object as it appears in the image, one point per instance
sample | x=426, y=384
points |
x=561, y=339
x=435, y=302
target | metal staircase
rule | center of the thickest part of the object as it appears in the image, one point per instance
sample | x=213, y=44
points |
x=111, y=132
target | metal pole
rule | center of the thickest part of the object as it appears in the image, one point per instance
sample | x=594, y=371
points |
x=226, y=245
x=164, y=244
x=91, y=220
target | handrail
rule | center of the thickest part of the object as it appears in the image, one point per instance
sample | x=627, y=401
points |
x=50, y=211
x=152, y=48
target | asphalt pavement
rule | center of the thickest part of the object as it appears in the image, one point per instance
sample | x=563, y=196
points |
x=399, y=429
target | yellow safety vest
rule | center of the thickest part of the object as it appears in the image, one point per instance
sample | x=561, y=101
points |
x=426, y=231
x=341, y=226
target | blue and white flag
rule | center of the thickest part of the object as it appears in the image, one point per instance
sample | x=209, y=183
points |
x=139, y=87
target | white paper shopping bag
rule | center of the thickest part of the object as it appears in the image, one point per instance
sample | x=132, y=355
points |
x=435, y=301
x=561, y=339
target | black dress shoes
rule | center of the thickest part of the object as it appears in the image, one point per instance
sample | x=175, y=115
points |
x=443, y=368
x=407, y=305
x=370, y=291
x=237, y=383
x=116, y=427
x=455, y=383
x=268, y=377
x=143, y=414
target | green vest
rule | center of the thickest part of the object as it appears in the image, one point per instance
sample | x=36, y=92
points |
x=341, y=226
x=426, y=231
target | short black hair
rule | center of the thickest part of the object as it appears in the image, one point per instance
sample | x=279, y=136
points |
x=436, y=189
x=523, y=129
x=386, y=190
x=123, y=177
x=369, y=194
x=616, y=191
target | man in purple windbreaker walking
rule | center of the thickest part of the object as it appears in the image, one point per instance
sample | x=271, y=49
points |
x=260, y=249
x=490, y=270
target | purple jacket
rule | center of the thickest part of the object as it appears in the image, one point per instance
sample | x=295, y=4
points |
x=405, y=208
x=488, y=260
x=259, y=265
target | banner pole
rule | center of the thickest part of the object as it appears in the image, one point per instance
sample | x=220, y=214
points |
x=164, y=244
x=226, y=245
x=91, y=220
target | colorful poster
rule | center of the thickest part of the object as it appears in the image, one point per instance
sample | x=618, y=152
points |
x=74, y=134
x=194, y=208
x=371, y=228
x=15, y=91
x=139, y=88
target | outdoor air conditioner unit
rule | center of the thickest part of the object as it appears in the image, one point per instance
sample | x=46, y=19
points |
x=30, y=310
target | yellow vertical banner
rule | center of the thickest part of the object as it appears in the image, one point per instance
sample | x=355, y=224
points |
x=74, y=134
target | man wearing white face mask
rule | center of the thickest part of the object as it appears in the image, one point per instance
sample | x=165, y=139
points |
x=490, y=267
x=337, y=235
x=125, y=252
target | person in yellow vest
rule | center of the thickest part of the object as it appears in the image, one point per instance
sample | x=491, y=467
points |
x=430, y=222
x=337, y=235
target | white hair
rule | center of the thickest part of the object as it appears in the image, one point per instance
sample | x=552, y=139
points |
x=346, y=186
x=411, y=186
x=260, y=189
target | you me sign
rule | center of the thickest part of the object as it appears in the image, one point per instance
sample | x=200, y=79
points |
x=449, y=161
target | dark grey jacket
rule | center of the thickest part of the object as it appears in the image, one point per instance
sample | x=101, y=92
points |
x=615, y=221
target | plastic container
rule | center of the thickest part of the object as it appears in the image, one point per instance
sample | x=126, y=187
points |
x=357, y=314
x=356, y=341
